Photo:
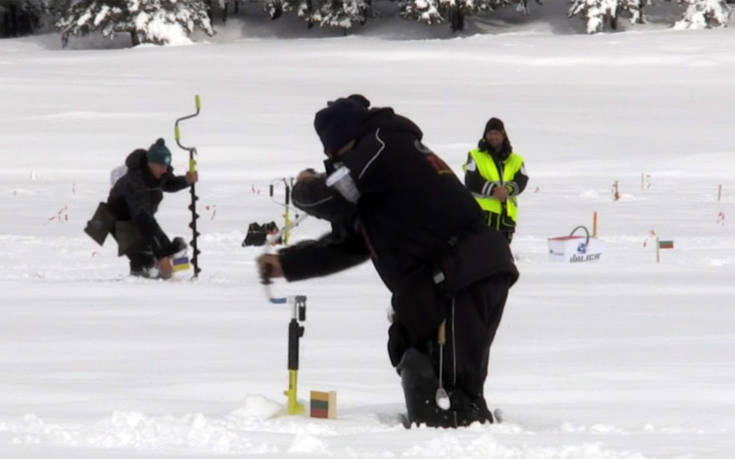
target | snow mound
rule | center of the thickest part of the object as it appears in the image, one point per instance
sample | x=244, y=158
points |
x=448, y=445
x=590, y=194
x=88, y=114
x=627, y=197
x=136, y=430
x=18, y=192
x=305, y=443
x=254, y=428
x=596, y=428
x=258, y=407
x=721, y=261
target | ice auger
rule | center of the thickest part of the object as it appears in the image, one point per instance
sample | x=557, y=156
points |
x=194, y=198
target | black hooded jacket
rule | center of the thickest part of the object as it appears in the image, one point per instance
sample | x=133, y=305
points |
x=136, y=195
x=406, y=207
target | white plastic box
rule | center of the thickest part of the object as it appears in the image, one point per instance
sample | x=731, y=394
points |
x=575, y=249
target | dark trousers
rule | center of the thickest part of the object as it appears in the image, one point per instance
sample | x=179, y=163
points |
x=133, y=246
x=141, y=259
x=471, y=328
x=501, y=224
x=472, y=322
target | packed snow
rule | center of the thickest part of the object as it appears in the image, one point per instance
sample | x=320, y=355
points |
x=625, y=358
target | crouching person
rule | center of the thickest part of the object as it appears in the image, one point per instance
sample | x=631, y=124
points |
x=391, y=200
x=129, y=214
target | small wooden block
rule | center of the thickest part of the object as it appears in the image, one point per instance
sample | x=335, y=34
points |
x=323, y=405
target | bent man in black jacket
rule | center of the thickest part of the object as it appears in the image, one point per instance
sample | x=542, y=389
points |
x=134, y=200
x=391, y=199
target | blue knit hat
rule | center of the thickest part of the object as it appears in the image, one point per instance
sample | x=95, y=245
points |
x=159, y=153
x=339, y=123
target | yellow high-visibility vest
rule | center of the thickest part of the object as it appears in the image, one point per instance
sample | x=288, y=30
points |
x=489, y=171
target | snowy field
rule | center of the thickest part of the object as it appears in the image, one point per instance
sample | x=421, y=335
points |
x=623, y=359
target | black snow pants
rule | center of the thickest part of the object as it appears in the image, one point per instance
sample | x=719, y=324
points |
x=133, y=246
x=473, y=319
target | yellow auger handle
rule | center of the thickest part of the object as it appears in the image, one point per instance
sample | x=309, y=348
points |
x=293, y=407
x=286, y=222
x=192, y=165
x=198, y=103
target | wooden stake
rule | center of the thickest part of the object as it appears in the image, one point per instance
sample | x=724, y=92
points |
x=719, y=192
x=594, y=224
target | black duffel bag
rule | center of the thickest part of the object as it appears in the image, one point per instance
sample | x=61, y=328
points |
x=101, y=224
x=257, y=234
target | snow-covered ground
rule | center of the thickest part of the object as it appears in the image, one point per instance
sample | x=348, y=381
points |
x=625, y=358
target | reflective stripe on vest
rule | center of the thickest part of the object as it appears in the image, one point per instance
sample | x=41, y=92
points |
x=489, y=171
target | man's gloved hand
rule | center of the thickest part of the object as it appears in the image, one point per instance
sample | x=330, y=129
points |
x=192, y=177
x=269, y=266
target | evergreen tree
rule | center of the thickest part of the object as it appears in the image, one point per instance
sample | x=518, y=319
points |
x=304, y=9
x=147, y=21
x=597, y=12
x=342, y=13
x=20, y=17
x=223, y=8
x=55, y=7
x=424, y=11
x=701, y=14
x=454, y=11
x=327, y=13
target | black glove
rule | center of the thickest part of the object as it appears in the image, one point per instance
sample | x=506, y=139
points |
x=177, y=245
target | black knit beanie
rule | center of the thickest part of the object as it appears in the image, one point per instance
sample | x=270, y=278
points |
x=340, y=122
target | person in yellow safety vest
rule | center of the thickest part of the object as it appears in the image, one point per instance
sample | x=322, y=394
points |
x=496, y=176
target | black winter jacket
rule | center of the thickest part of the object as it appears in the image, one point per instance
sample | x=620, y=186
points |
x=408, y=206
x=136, y=195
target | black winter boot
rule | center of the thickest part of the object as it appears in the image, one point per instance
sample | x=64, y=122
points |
x=468, y=409
x=419, y=387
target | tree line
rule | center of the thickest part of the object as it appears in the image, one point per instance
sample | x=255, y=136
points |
x=165, y=21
